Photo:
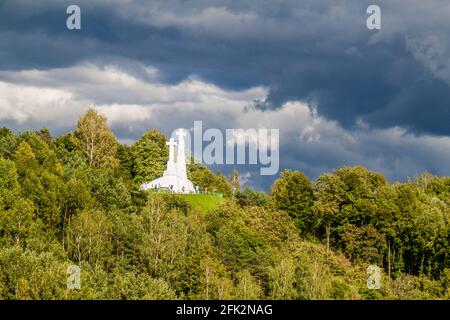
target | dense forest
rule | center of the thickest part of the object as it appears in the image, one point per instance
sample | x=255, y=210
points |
x=75, y=200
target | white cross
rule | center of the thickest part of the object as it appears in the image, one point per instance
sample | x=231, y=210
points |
x=171, y=142
x=180, y=133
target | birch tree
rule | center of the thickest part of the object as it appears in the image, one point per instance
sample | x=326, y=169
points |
x=96, y=140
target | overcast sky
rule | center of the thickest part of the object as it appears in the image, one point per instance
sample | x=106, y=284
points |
x=339, y=93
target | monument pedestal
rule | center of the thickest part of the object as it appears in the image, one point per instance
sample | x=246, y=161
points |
x=174, y=178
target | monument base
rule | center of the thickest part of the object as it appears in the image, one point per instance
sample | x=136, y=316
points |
x=170, y=183
x=174, y=179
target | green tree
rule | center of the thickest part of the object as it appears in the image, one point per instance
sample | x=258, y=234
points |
x=150, y=155
x=46, y=136
x=249, y=197
x=247, y=287
x=8, y=143
x=30, y=275
x=131, y=286
x=282, y=278
x=364, y=244
x=9, y=183
x=293, y=193
x=76, y=197
x=164, y=238
x=329, y=192
x=110, y=191
x=215, y=280
x=201, y=176
x=96, y=141
x=46, y=190
x=26, y=159
x=43, y=150
x=18, y=224
x=68, y=153
x=89, y=237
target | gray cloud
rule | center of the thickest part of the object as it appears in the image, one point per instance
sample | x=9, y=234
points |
x=385, y=93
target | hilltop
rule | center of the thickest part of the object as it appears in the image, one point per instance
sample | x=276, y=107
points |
x=71, y=202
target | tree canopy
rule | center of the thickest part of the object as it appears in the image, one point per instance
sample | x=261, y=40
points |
x=74, y=200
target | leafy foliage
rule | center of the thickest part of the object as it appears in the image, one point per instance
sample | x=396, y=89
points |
x=96, y=141
x=74, y=200
x=149, y=156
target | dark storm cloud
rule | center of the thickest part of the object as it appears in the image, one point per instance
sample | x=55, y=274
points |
x=315, y=51
x=311, y=51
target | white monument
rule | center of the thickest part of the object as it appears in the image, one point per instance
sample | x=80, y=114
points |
x=174, y=178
